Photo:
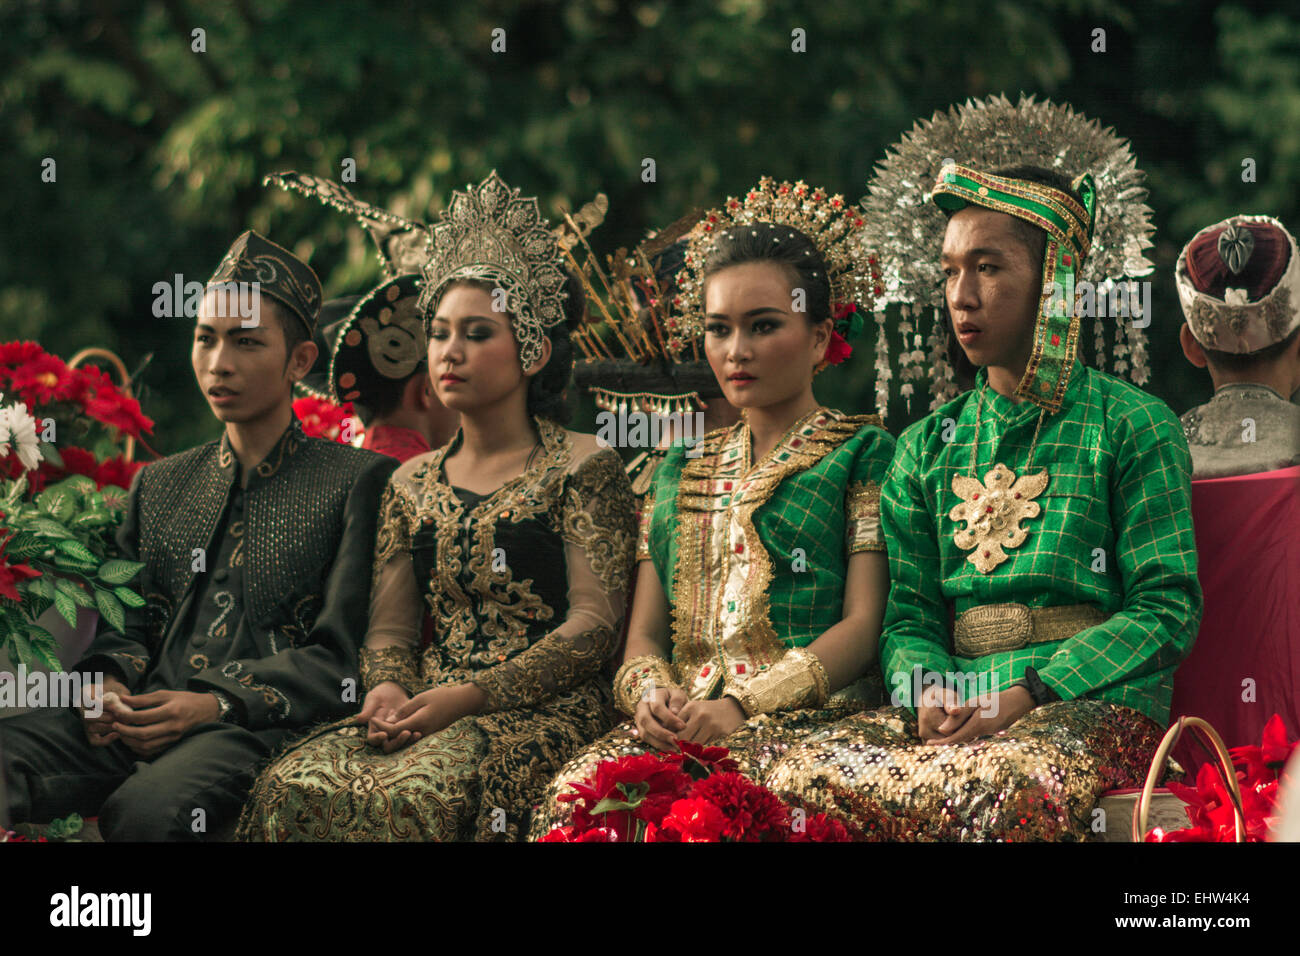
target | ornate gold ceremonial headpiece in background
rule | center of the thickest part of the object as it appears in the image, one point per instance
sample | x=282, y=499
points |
x=906, y=230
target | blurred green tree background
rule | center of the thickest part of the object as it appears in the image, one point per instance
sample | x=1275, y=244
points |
x=160, y=149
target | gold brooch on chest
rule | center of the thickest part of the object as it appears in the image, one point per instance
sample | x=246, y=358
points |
x=993, y=511
x=994, y=508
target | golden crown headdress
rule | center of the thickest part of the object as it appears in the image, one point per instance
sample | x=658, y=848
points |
x=626, y=360
x=491, y=232
x=906, y=229
x=832, y=224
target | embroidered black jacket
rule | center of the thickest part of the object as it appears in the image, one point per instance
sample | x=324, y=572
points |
x=261, y=593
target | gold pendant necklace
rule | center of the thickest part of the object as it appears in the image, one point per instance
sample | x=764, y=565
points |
x=994, y=508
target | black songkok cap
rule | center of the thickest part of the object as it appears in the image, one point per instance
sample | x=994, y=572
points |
x=278, y=272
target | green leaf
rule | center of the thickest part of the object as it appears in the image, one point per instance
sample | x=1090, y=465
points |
x=119, y=571
x=25, y=545
x=14, y=491
x=111, y=608
x=91, y=519
x=66, y=607
x=128, y=597
x=78, y=485
x=75, y=549
x=20, y=649
x=66, y=585
x=610, y=805
x=80, y=596
x=57, y=503
x=54, y=830
x=51, y=454
x=64, y=829
x=33, y=605
x=45, y=648
x=634, y=792
x=49, y=527
x=43, y=586
x=66, y=562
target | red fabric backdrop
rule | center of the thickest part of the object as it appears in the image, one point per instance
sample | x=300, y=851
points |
x=1248, y=546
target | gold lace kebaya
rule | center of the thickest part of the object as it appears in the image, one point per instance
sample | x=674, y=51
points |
x=525, y=588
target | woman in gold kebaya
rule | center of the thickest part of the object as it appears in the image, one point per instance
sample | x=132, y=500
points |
x=517, y=535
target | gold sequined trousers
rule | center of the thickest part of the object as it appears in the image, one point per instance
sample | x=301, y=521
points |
x=1039, y=780
x=756, y=746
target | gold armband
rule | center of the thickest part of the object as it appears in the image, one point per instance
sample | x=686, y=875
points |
x=636, y=676
x=797, y=680
x=395, y=664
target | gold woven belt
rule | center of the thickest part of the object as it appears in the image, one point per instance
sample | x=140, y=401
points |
x=992, y=628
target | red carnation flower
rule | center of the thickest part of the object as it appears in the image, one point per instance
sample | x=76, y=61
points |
x=646, y=783
x=321, y=418
x=119, y=411
x=78, y=461
x=15, y=354
x=41, y=380
x=1275, y=748
x=695, y=821
x=753, y=814
x=116, y=471
x=820, y=829
x=700, y=761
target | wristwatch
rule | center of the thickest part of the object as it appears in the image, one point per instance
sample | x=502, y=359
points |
x=1040, y=692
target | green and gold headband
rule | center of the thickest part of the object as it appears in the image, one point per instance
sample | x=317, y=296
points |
x=1068, y=224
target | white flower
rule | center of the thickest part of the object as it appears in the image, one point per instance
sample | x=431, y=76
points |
x=17, y=426
x=4, y=430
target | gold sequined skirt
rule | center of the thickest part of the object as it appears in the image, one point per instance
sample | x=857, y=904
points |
x=1037, y=781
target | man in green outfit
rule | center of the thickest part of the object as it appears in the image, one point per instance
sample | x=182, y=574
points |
x=1042, y=561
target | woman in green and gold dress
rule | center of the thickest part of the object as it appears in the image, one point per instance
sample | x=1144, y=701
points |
x=518, y=536
x=762, y=575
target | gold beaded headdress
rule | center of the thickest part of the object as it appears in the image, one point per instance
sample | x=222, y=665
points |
x=626, y=360
x=492, y=232
x=402, y=245
x=401, y=242
x=907, y=229
x=833, y=225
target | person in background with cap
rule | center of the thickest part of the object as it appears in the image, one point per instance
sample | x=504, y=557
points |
x=256, y=553
x=1239, y=285
x=379, y=364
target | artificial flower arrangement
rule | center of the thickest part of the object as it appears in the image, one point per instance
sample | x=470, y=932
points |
x=1209, y=804
x=694, y=796
x=61, y=500
x=91, y=417
x=321, y=418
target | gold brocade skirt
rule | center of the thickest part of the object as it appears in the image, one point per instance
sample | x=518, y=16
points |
x=1038, y=780
x=477, y=779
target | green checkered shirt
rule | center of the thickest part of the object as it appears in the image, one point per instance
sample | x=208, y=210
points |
x=1115, y=529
